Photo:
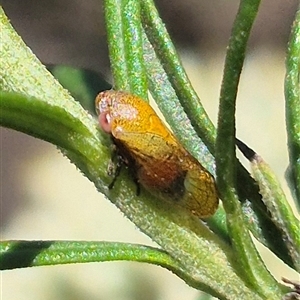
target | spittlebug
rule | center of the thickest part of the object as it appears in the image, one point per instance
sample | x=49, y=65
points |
x=159, y=162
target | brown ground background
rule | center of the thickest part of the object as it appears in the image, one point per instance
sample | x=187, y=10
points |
x=44, y=197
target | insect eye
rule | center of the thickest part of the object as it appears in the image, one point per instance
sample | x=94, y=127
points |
x=104, y=119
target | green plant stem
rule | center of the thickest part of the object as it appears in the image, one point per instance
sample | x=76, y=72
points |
x=292, y=95
x=251, y=264
x=125, y=44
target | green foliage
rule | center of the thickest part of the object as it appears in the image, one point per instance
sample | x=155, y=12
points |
x=218, y=257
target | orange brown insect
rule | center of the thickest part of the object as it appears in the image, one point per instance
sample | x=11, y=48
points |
x=159, y=161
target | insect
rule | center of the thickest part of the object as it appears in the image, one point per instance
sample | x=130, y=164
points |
x=159, y=162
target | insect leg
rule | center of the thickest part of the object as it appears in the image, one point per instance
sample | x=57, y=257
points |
x=117, y=169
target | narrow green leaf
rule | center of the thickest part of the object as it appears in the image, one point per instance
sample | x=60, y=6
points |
x=126, y=46
x=276, y=203
x=292, y=95
x=252, y=267
x=279, y=208
x=22, y=254
x=117, y=54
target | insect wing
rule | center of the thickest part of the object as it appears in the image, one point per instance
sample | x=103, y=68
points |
x=157, y=165
x=201, y=195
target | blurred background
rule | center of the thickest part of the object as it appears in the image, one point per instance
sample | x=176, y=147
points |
x=44, y=197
